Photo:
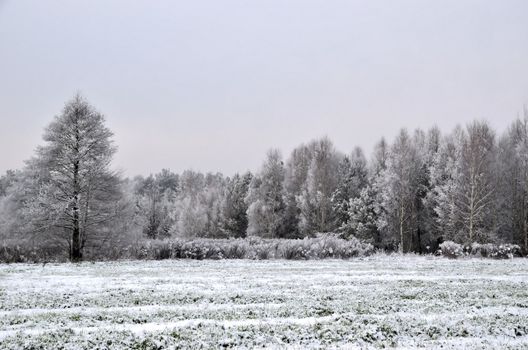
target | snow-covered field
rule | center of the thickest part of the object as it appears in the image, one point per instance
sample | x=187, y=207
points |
x=380, y=301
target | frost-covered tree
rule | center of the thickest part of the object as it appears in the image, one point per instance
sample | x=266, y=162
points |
x=190, y=218
x=363, y=217
x=168, y=181
x=191, y=184
x=476, y=198
x=154, y=204
x=265, y=199
x=444, y=176
x=352, y=176
x=75, y=192
x=425, y=146
x=373, y=204
x=316, y=214
x=427, y=216
x=509, y=192
x=296, y=172
x=512, y=191
x=400, y=183
x=188, y=205
x=7, y=180
x=235, y=221
x=359, y=168
x=463, y=179
x=197, y=210
x=519, y=134
x=212, y=199
x=343, y=193
x=6, y=183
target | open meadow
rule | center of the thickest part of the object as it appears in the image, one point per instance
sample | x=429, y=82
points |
x=380, y=301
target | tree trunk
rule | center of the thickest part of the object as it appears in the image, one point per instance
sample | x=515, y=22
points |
x=525, y=231
x=525, y=214
x=401, y=229
x=76, y=250
x=85, y=221
x=419, y=237
x=471, y=209
x=76, y=254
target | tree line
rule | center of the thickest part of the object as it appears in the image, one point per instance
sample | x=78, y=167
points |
x=423, y=187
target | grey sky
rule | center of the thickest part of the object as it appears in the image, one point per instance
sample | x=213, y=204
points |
x=211, y=85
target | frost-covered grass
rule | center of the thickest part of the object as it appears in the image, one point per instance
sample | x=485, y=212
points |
x=380, y=301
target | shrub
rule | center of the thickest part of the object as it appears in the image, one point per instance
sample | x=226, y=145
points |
x=451, y=249
x=24, y=252
x=322, y=246
x=162, y=251
x=488, y=250
x=500, y=251
x=236, y=249
x=293, y=250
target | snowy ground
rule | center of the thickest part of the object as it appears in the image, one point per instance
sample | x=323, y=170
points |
x=381, y=301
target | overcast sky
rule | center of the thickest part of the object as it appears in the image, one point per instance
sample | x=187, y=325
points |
x=211, y=85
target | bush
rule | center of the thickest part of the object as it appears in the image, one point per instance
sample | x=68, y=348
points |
x=501, y=251
x=451, y=249
x=494, y=251
x=294, y=250
x=261, y=249
x=321, y=247
x=24, y=252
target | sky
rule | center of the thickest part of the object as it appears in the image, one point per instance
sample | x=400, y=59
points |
x=212, y=85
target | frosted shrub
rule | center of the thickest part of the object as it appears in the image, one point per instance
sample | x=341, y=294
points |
x=162, y=250
x=294, y=250
x=236, y=249
x=326, y=245
x=322, y=246
x=488, y=250
x=213, y=252
x=191, y=250
x=508, y=251
x=22, y=253
x=334, y=247
x=262, y=253
x=495, y=251
x=451, y=249
x=480, y=250
x=262, y=249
